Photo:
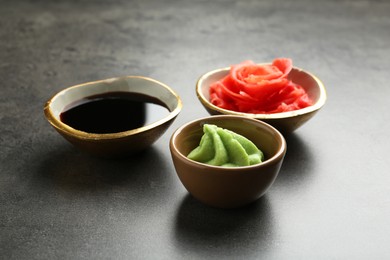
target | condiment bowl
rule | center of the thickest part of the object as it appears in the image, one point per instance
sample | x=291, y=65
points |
x=286, y=122
x=228, y=187
x=116, y=144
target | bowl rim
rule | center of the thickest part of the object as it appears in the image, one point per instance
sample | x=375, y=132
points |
x=62, y=127
x=278, y=155
x=316, y=106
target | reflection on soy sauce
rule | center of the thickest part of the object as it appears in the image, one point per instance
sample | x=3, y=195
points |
x=113, y=112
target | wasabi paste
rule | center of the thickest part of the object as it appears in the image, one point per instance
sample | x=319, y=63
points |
x=222, y=147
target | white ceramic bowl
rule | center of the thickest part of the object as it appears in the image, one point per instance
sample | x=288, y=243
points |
x=285, y=122
x=120, y=143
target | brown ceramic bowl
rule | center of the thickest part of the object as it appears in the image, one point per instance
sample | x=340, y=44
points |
x=285, y=122
x=120, y=143
x=228, y=187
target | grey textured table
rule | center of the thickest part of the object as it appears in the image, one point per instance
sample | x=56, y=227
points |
x=331, y=199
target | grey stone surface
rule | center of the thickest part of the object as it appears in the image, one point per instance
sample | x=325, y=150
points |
x=331, y=199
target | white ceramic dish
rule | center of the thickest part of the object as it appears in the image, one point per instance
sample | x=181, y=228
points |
x=121, y=143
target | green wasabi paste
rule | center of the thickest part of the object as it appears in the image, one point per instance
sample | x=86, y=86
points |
x=222, y=147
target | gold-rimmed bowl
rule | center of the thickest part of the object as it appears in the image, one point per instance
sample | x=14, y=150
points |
x=228, y=187
x=117, y=144
x=286, y=122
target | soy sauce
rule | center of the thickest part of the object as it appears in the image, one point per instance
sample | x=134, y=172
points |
x=113, y=112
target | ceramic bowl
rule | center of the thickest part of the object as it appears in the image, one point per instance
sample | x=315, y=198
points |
x=228, y=187
x=120, y=143
x=286, y=122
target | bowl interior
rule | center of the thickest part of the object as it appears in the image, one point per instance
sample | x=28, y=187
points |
x=152, y=90
x=203, y=84
x=265, y=137
x=138, y=85
x=312, y=85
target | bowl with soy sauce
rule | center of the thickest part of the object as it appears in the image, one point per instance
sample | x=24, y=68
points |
x=115, y=117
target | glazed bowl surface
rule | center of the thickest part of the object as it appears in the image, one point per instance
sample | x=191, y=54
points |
x=228, y=187
x=286, y=122
x=116, y=144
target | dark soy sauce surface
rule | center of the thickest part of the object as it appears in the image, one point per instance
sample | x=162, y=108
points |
x=113, y=112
